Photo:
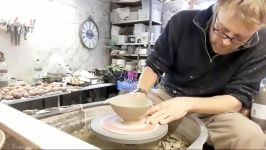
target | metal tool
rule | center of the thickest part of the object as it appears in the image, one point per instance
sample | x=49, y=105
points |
x=15, y=34
x=15, y=28
x=19, y=29
x=9, y=29
x=26, y=31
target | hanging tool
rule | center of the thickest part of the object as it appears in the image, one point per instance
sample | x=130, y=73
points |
x=15, y=28
x=19, y=27
x=15, y=34
x=32, y=24
x=26, y=31
x=9, y=29
x=15, y=31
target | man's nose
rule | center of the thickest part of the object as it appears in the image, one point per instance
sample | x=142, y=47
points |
x=227, y=42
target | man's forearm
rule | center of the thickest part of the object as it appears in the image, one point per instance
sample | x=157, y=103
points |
x=211, y=105
x=147, y=79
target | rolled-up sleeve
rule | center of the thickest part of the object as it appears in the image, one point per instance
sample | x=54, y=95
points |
x=245, y=83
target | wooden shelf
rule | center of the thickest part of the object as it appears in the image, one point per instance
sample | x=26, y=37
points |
x=33, y=98
x=126, y=55
x=128, y=44
x=55, y=94
x=131, y=22
x=128, y=3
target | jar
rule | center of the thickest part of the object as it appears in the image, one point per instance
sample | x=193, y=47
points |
x=37, y=72
x=3, y=71
x=258, y=109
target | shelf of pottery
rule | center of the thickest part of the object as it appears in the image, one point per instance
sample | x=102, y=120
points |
x=131, y=27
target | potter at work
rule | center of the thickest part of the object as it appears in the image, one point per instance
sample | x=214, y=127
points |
x=133, y=74
x=210, y=63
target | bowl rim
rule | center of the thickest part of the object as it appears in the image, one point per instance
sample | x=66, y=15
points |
x=113, y=102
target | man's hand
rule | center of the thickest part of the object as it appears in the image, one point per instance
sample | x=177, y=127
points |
x=167, y=111
x=137, y=94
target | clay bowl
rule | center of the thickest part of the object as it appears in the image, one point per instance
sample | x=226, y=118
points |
x=129, y=107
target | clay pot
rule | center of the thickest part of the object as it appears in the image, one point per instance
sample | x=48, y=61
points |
x=129, y=107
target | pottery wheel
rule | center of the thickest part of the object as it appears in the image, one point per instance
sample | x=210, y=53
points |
x=112, y=128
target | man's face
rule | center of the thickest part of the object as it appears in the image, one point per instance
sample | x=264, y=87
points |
x=228, y=32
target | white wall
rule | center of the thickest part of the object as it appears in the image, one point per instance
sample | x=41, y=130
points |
x=56, y=32
x=172, y=7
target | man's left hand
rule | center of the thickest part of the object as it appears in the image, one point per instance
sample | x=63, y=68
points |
x=167, y=111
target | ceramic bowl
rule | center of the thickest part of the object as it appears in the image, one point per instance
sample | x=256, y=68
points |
x=129, y=107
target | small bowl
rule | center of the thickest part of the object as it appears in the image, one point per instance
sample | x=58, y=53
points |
x=129, y=107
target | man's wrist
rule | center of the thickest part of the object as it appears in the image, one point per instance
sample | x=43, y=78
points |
x=187, y=103
x=140, y=90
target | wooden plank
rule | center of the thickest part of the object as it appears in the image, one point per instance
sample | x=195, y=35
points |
x=127, y=3
x=132, y=22
x=35, y=133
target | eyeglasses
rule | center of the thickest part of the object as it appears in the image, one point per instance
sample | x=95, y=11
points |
x=222, y=35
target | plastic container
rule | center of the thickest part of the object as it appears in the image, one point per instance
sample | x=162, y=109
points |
x=37, y=71
x=132, y=74
x=126, y=85
x=258, y=109
x=3, y=71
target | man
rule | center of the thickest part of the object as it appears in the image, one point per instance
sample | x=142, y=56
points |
x=211, y=63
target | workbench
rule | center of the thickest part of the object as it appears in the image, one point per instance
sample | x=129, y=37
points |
x=58, y=95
